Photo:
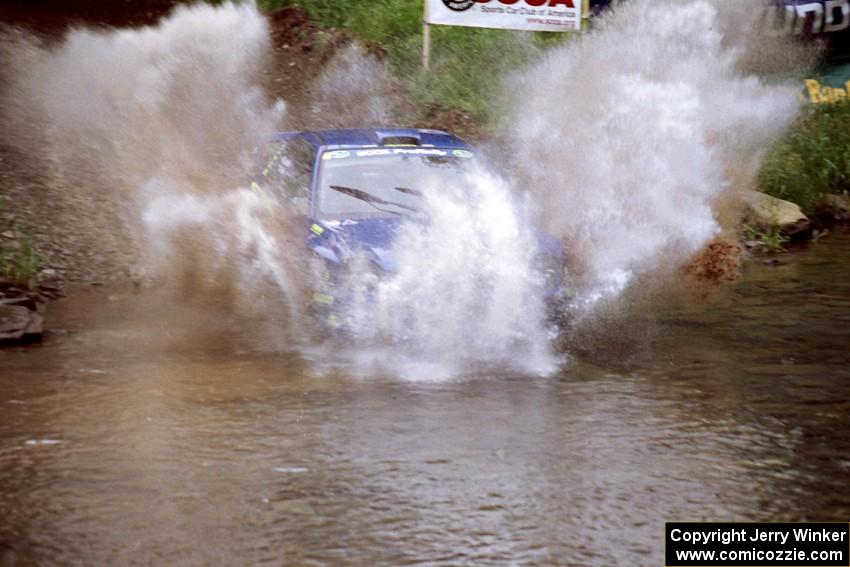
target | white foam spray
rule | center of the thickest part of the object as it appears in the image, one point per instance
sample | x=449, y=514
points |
x=151, y=130
x=177, y=99
x=629, y=137
x=355, y=89
x=467, y=290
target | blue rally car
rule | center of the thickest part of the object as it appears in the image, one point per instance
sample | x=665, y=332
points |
x=356, y=186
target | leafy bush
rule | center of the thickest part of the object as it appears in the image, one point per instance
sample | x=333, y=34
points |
x=812, y=160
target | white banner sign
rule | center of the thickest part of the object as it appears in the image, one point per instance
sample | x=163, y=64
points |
x=535, y=15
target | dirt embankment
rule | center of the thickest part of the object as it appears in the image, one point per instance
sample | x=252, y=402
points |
x=51, y=18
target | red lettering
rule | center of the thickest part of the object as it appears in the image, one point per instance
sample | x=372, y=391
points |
x=536, y=3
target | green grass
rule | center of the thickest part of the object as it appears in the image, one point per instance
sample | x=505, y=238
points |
x=812, y=160
x=467, y=64
x=771, y=237
x=376, y=20
x=18, y=266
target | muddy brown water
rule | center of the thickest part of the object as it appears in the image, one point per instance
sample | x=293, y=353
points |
x=122, y=444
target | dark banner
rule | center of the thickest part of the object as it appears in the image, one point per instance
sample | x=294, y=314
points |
x=823, y=20
x=827, y=21
x=757, y=544
x=807, y=17
x=791, y=17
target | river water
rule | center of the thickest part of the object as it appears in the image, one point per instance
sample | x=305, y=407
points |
x=128, y=440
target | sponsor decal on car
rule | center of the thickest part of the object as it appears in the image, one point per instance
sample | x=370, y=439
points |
x=339, y=154
x=400, y=151
x=395, y=151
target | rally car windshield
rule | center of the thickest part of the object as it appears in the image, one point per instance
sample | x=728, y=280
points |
x=384, y=181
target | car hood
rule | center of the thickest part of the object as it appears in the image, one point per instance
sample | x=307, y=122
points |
x=337, y=241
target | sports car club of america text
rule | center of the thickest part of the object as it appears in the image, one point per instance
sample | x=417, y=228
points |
x=522, y=7
x=536, y=15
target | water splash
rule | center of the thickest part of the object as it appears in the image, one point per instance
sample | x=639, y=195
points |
x=626, y=141
x=236, y=250
x=631, y=136
x=355, y=89
x=150, y=132
x=467, y=289
x=168, y=115
x=122, y=117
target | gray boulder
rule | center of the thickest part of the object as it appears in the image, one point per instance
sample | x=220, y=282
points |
x=18, y=322
x=765, y=211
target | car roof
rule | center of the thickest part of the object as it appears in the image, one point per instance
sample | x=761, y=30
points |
x=358, y=137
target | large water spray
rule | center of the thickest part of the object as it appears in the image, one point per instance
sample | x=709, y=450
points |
x=631, y=138
x=151, y=130
x=624, y=143
x=467, y=288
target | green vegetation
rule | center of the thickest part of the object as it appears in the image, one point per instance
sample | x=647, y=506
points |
x=19, y=264
x=467, y=64
x=813, y=160
x=772, y=237
x=385, y=22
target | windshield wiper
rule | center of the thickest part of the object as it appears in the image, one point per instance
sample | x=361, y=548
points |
x=409, y=191
x=371, y=199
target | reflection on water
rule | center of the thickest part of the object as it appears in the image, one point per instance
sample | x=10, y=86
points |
x=128, y=441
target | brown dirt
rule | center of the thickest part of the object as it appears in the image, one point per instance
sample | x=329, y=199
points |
x=716, y=264
x=300, y=49
x=455, y=121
